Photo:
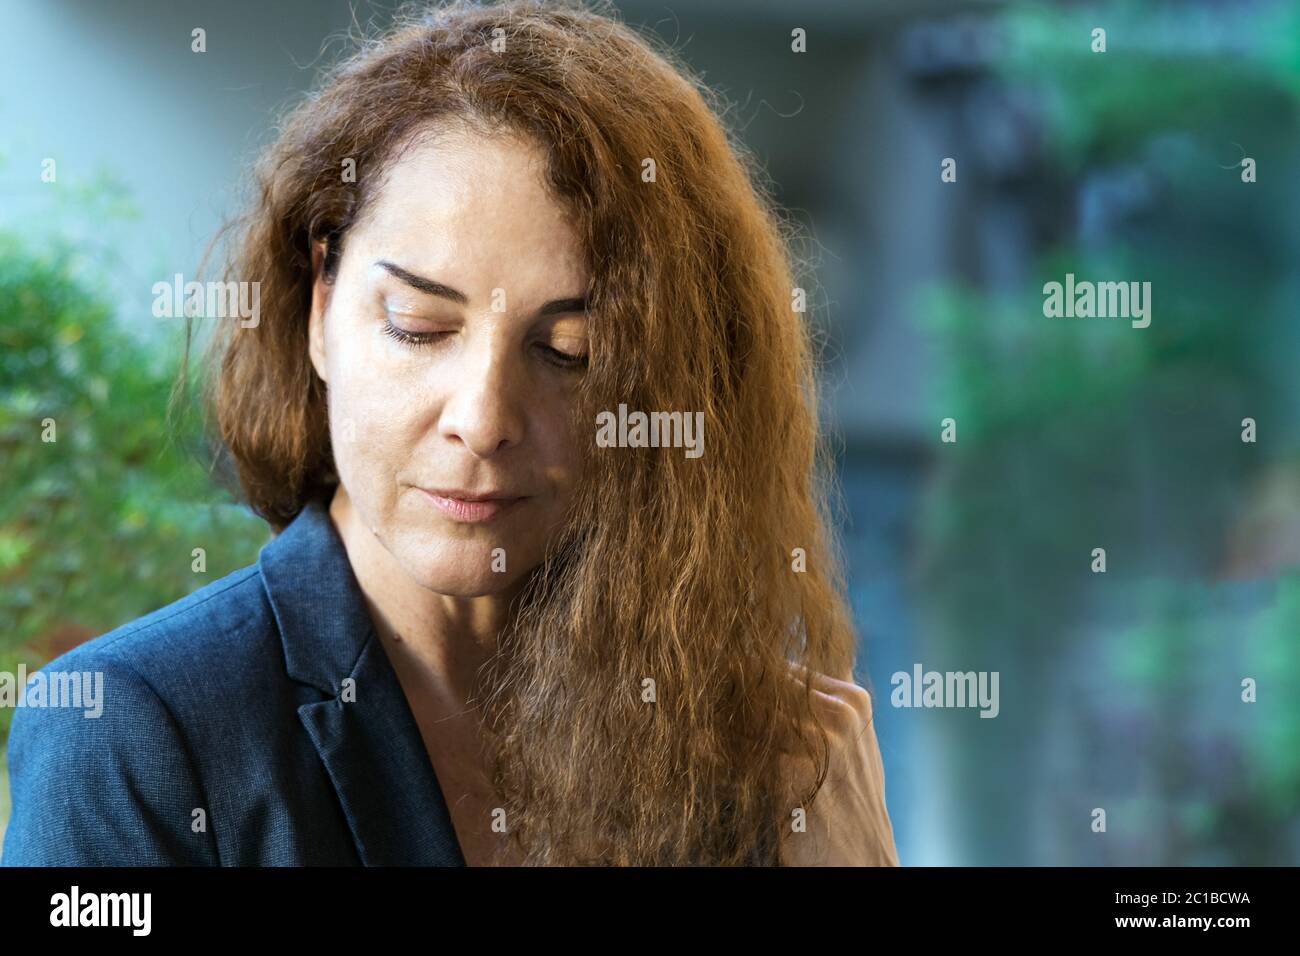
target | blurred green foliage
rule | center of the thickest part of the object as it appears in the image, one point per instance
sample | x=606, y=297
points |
x=1122, y=690
x=99, y=525
x=1227, y=773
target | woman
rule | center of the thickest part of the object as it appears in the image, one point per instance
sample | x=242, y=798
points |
x=481, y=635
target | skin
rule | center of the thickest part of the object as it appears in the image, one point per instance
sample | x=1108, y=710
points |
x=486, y=405
x=848, y=823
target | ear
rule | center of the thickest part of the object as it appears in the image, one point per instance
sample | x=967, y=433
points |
x=320, y=297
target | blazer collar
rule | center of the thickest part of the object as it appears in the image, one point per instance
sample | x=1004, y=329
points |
x=371, y=745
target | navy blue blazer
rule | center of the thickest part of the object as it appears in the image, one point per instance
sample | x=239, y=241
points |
x=230, y=701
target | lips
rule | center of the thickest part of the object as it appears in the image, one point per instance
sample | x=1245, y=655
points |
x=470, y=507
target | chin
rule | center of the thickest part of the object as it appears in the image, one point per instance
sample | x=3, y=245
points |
x=456, y=583
x=460, y=569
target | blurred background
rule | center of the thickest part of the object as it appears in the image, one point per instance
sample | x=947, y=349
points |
x=1169, y=157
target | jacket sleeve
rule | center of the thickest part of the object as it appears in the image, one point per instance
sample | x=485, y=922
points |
x=118, y=789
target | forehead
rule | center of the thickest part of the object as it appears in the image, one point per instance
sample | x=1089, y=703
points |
x=468, y=201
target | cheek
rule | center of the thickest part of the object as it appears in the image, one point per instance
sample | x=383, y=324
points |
x=558, y=447
x=370, y=427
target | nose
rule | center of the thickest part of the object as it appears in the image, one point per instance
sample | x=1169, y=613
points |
x=483, y=412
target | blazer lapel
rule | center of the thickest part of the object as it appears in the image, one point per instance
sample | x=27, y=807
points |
x=363, y=730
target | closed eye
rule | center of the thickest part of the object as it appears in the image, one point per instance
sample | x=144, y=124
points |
x=558, y=358
x=407, y=337
x=564, y=360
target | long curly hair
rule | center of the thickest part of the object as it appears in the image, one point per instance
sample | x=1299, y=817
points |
x=639, y=703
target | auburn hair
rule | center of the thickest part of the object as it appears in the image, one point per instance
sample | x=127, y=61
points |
x=638, y=705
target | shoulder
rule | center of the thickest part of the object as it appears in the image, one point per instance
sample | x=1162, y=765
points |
x=180, y=658
x=200, y=625
x=101, y=750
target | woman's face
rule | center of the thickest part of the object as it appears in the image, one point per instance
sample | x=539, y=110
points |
x=452, y=342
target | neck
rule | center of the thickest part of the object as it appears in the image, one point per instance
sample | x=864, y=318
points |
x=436, y=639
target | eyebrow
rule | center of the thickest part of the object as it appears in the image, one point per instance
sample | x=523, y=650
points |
x=430, y=287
